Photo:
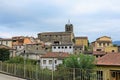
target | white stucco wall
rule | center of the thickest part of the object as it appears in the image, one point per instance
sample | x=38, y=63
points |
x=50, y=66
x=63, y=49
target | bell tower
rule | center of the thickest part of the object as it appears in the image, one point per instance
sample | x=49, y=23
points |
x=68, y=27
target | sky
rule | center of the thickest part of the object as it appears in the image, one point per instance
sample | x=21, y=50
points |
x=91, y=18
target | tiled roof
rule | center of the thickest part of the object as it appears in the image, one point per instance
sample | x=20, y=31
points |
x=81, y=37
x=98, y=53
x=110, y=59
x=5, y=39
x=102, y=37
x=55, y=55
x=54, y=33
x=69, y=44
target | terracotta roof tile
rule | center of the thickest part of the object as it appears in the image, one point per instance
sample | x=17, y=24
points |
x=55, y=55
x=98, y=53
x=110, y=59
x=81, y=37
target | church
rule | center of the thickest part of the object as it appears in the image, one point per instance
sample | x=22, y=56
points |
x=66, y=37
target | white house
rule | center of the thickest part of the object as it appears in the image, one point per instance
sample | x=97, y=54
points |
x=6, y=42
x=52, y=59
x=63, y=48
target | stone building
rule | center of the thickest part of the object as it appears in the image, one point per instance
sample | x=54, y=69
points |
x=36, y=48
x=58, y=37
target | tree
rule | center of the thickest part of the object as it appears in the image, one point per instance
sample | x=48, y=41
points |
x=4, y=54
x=82, y=66
x=20, y=60
x=80, y=61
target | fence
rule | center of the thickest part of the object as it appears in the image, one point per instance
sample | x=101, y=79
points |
x=34, y=72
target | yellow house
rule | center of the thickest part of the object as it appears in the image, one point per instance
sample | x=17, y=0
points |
x=109, y=67
x=104, y=44
x=111, y=49
x=81, y=41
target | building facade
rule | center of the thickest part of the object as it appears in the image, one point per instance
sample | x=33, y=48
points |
x=6, y=42
x=109, y=67
x=68, y=48
x=58, y=37
x=80, y=44
x=104, y=44
x=52, y=59
x=81, y=41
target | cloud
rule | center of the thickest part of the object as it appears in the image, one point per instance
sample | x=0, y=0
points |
x=94, y=6
x=90, y=17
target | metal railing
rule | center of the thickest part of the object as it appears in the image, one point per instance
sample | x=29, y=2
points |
x=34, y=72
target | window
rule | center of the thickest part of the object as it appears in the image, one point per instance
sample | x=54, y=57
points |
x=58, y=47
x=14, y=40
x=50, y=61
x=62, y=47
x=70, y=47
x=6, y=42
x=55, y=61
x=113, y=51
x=46, y=48
x=36, y=48
x=19, y=46
x=24, y=51
x=98, y=50
x=103, y=44
x=36, y=44
x=65, y=47
x=80, y=48
x=113, y=74
x=54, y=47
x=56, y=42
x=99, y=75
x=107, y=44
x=44, y=61
x=99, y=44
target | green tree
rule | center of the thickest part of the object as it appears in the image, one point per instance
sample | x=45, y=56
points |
x=80, y=61
x=4, y=54
x=82, y=65
x=20, y=60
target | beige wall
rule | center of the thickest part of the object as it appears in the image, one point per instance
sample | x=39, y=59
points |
x=111, y=49
x=106, y=71
x=6, y=43
x=81, y=42
x=104, y=38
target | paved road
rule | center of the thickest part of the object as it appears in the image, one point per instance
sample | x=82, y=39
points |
x=7, y=77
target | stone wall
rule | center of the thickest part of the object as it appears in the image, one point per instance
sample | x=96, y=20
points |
x=56, y=37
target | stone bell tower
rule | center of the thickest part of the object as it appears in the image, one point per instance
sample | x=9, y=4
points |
x=68, y=27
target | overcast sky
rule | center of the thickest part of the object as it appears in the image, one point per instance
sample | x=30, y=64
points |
x=92, y=18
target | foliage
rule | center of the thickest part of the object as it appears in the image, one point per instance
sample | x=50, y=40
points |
x=4, y=54
x=20, y=60
x=80, y=61
x=114, y=45
x=86, y=48
x=73, y=40
x=81, y=65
